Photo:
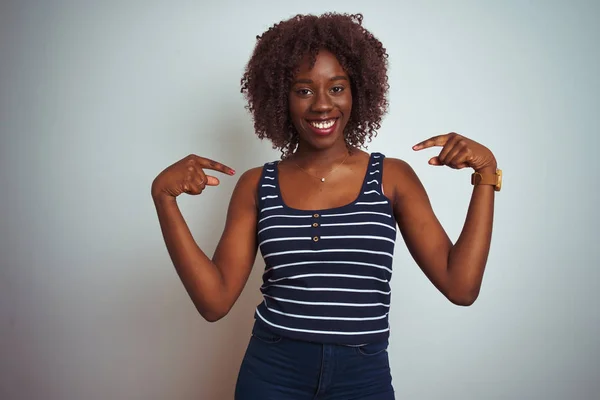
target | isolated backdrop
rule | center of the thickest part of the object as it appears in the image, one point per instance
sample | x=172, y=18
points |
x=97, y=97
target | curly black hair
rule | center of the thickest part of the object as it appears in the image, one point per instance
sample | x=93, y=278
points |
x=278, y=52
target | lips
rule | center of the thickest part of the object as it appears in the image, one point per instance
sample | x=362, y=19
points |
x=323, y=127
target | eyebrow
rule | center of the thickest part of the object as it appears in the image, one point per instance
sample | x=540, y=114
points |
x=335, y=78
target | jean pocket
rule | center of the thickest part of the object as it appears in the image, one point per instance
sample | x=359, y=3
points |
x=372, y=349
x=265, y=335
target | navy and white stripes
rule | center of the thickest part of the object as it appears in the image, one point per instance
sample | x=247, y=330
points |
x=327, y=272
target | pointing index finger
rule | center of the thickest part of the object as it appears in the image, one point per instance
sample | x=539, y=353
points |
x=216, y=166
x=439, y=140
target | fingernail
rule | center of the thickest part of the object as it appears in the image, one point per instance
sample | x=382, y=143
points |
x=231, y=171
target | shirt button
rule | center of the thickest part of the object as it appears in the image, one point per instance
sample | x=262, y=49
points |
x=316, y=215
x=316, y=239
x=315, y=225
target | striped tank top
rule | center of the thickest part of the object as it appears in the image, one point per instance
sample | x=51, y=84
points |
x=327, y=272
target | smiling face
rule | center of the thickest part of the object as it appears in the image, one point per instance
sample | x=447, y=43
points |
x=320, y=101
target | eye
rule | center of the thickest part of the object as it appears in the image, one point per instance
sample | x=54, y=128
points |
x=303, y=92
x=337, y=89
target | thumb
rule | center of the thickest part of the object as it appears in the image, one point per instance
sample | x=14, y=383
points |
x=212, y=181
x=435, y=161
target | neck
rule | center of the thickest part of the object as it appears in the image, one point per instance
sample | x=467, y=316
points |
x=317, y=158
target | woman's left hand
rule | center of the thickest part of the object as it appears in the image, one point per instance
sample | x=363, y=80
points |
x=459, y=152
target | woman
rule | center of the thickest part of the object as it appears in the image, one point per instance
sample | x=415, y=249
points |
x=324, y=217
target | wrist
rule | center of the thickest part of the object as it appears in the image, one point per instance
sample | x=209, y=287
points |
x=161, y=198
x=488, y=169
x=488, y=175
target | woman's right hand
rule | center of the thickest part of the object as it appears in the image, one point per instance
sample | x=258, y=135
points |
x=187, y=176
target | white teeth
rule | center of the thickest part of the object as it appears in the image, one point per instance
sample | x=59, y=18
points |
x=323, y=125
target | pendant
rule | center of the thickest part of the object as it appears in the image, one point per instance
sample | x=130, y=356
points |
x=322, y=179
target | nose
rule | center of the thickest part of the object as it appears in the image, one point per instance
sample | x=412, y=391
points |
x=322, y=102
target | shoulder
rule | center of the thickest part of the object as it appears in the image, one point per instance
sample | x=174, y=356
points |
x=248, y=183
x=399, y=176
x=396, y=168
x=250, y=179
x=251, y=176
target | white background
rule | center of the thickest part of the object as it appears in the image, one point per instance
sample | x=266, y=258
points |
x=96, y=98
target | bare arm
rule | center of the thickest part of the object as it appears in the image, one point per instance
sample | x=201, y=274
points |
x=213, y=285
x=455, y=269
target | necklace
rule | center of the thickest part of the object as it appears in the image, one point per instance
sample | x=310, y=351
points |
x=329, y=173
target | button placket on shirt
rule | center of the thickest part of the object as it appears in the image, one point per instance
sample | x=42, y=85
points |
x=315, y=228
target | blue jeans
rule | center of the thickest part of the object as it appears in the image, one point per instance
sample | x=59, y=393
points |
x=277, y=368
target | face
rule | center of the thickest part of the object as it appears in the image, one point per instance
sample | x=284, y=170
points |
x=320, y=101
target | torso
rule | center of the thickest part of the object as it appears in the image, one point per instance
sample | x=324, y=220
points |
x=328, y=251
